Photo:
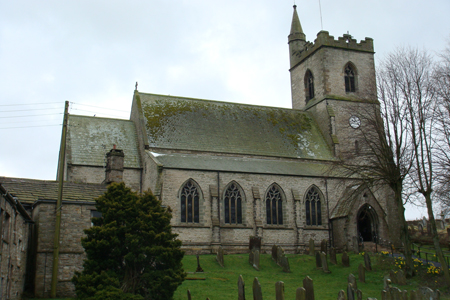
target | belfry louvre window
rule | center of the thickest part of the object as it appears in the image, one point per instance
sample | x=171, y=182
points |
x=309, y=85
x=233, y=205
x=313, y=207
x=349, y=79
x=190, y=199
x=274, y=206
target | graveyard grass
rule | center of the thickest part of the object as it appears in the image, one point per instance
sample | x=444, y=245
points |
x=221, y=283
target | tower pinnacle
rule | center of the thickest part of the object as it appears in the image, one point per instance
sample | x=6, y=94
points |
x=296, y=28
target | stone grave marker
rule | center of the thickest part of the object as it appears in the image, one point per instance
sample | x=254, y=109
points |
x=395, y=293
x=420, y=228
x=341, y=295
x=367, y=262
x=371, y=298
x=241, y=288
x=274, y=252
x=393, y=276
x=300, y=294
x=312, y=250
x=323, y=246
x=361, y=273
x=309, y=288
x=285, y=264
x=358, y=294
x=323, y=258
x=251, y=258
x=345, y=259
x=405, y=295
x=257, y=291
x=333, y=256
x=352, y=280
x=219, y=257
x=254, y=259
x=189, y=295
x=350, y=292
x=280, y=254
x=279, y=290
x=429, y=294
x=199, y=268
x=414, y=295
x=318, y=260
x=384, y=295
x=401, y=278
x=386, y=282
x=255, y=243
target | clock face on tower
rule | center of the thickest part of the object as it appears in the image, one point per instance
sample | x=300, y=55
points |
x=354, y=122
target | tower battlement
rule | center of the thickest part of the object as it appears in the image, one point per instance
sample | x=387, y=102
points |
x=324, y=39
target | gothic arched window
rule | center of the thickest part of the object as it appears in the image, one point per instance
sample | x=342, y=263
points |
x=233, y=204
x=274, y=206
x=350, y=75
x=190, y=203
x=309, y=85
x=313, y=207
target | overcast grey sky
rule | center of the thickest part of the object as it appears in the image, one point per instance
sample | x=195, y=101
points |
x=91, y=53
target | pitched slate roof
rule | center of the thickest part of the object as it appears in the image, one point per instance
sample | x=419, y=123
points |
x=31, y=190
x=212, y=126
x=90, y=138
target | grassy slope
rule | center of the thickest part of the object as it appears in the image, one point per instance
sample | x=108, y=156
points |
x=221, y=283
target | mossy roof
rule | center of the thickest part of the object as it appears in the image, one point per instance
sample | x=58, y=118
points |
x=253, y=165
x=90, y=138
x=31, y=190
x=213, y=126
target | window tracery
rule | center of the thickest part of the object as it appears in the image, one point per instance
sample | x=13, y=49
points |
x=233, y=205
x=350, y=75
x=313, y=207
x=190, y=202
x=274, y=206
x=309, y=85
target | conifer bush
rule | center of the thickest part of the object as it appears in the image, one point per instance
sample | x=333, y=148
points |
x=131, y=250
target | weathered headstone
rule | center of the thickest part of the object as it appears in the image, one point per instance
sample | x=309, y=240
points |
x=401, y=278
x=404, y=295
x=253, y=259
x=318, y=260
x=367, y=262
x=255, y=243
x=285, y=264
x=429, y=294
x=241, y=288
x=312, y=250
x=309, y=288
x=420, y=228
x=279, y=290
x=323, y=246
x=280, y=254
x=333, y=256
x=341, y=295
x=350, y=292
x=274, y=252
x=352, y=280
x=355, y=245
x=257, y=291
x=199, y=268
x=300, y=294
x=386, y=282
x=345, y=259
x=393, y=276
x=384, y=295
x=358, y=294
x=323, y=258
x=189, y=294
x=361, y=273
x=395, y=293
x=219, y=257
x=414, y=295
x=440, y=224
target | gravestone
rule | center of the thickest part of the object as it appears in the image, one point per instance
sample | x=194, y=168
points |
x=384, y=295
x=254, y=259
x=318, y=260
x=386, y=282
x=405, y=295
x=345, y=259
x=251, y=258
x=219, y=257
x=355, y=245
x=323, y=258
x=341, y=295
x=420, y=228
x=312, y=250
x=199, y=268
x=285, y=264
x=361, y=273
x=241, y=288
x=309, y=288
x=255, y=243
x=429, y=294
x=358, y=294
x=352, y=280
x=395, y=293
x=401, y=278
x=323, y=246
x=300, y=294
x=393, y=276
x=371, y=298
x=279, y=290
x=440, y=224
x=333, y=256
x=350, y=292
x=257, y=291
x=367, y=262
x=274, y=252
x=280, y=254
x=189, y=294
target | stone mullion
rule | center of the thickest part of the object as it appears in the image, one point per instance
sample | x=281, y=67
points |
x=215, y=216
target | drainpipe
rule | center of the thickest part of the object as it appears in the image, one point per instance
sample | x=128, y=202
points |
x=330, y=236
x=62, y=156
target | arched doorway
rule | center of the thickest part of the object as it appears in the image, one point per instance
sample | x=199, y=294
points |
x=367, y=223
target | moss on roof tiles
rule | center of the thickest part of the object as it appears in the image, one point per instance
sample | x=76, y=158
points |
x=201, y=125
x=90, y=138
x=31, y=190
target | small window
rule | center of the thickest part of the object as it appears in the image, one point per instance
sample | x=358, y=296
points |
x=350, y=75
x=309, y=85
x=274, y=206
x=95, y=214
x=190, y=203
x=233, y=205
x=313, y=207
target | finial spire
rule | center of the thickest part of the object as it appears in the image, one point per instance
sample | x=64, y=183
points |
x=296, y=28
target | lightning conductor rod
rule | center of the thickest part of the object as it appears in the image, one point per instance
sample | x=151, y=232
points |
x=62, y=155
x=320, y=10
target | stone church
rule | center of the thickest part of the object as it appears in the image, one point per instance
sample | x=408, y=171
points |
x=228, y=171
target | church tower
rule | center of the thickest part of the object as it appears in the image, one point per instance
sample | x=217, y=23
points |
x=334, y=80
